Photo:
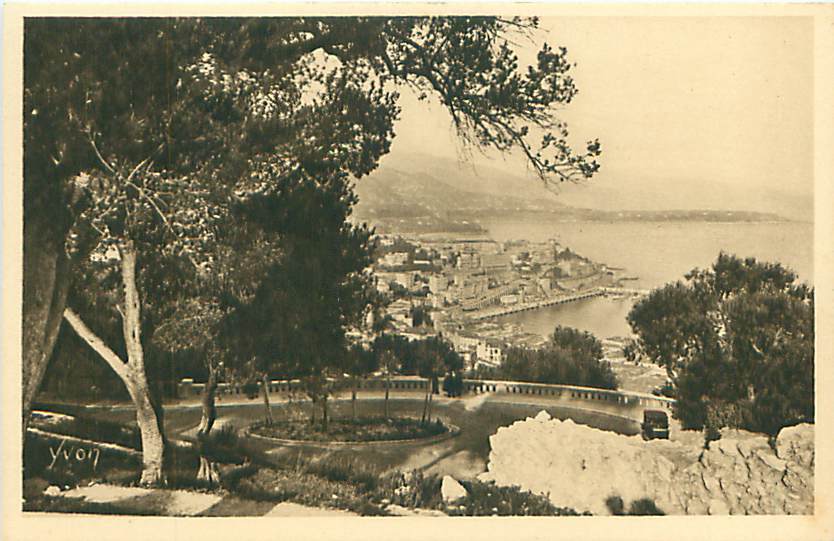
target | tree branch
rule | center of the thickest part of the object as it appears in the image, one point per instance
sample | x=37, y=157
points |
x=97, y=344
x=98, y=154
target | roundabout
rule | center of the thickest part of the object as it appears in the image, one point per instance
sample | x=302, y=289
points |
x=463, y=451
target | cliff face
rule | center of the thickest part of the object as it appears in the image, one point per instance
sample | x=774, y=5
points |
x=580, y=467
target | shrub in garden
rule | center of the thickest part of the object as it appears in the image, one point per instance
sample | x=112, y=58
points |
x=251, y=389
x=222, y=445
x=453, y=384
x=363, y=429
x=487, y=499
x=343, y=468
x=411, y=489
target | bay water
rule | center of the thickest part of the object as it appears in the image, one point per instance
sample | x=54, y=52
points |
x=654, y=253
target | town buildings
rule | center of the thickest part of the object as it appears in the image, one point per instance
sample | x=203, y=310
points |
x=458, y=281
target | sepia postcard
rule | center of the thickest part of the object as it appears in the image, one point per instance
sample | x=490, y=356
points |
x=418, y=270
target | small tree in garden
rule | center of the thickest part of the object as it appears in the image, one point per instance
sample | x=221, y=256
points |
x=307, y=301
x=384, y=357
x=193, y=326
x=360, y=363
x=388, y=362
x=196, y=318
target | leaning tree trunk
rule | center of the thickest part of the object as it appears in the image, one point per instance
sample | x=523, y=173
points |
x=268, y=408
x=208, y=470
x=46, y=281
x=132, y=372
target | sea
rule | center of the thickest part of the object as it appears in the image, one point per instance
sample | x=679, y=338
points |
x=654, y=253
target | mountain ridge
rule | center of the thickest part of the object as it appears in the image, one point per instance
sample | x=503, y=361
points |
x=443, y=190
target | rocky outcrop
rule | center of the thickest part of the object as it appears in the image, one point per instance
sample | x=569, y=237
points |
x=580, y=467
x=451, y=490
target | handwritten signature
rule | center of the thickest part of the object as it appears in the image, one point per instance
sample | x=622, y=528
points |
x=80, y=454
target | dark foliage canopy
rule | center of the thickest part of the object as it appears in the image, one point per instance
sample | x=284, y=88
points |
x=571, y=357
x=738, y=342
x=168, y=133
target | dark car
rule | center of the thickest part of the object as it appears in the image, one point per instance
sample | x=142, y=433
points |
x=655, y=425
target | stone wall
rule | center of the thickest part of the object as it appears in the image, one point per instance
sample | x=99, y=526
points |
x=580, y=467
x=623, y=403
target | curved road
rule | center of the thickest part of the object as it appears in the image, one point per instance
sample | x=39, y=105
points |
x=464, y=456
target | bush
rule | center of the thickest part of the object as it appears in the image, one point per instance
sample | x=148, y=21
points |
x=251, y=389
x=230, y=480
x=221, y=445
x=667, y=390
x=453, y=384
x=571, y=357
x=411, y=489
x=270, y=484
x=487, y=499
x=644, y=507
x=343, y=468
x=615, y=505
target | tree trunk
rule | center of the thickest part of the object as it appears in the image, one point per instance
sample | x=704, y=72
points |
x=324, y=419
x=132, y=372
x=426, y=403
x=353, y=403
x=209, y=409
x=431, y=399
x=46, y=281
x=50, y=204
x=208, y=470
x=153, y=444
x=314, y=403
x=265, y=389
x=387, y=387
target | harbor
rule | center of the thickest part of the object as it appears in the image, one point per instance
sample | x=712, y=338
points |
x=552, y=301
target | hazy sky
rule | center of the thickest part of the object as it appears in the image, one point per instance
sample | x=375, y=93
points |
x=691, y=112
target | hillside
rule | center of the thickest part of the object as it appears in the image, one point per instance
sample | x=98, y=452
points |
x=419, y=193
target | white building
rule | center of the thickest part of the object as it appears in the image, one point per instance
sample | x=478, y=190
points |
x=438, y=283
x=394, y=259
x=490, y=352
x=405, y=279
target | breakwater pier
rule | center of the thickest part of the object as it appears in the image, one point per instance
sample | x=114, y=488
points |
x=498, y=311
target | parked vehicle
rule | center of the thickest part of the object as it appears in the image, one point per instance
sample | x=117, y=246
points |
x=655, y=425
